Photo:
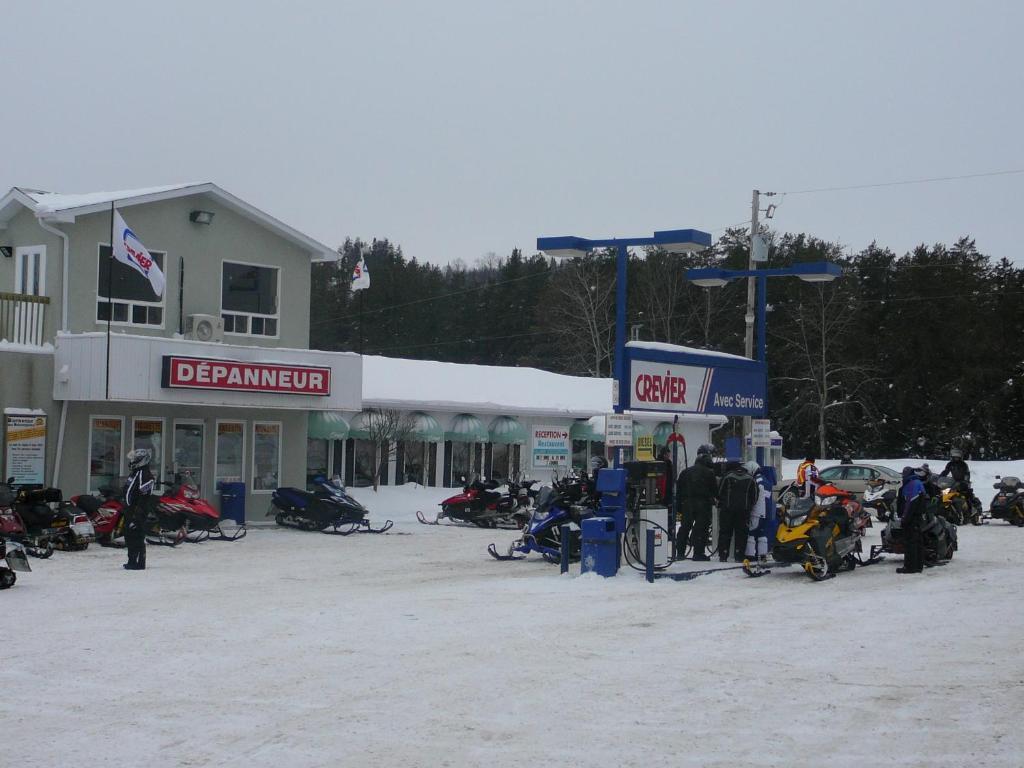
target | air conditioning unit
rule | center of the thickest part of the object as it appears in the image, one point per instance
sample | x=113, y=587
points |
x=204, y=328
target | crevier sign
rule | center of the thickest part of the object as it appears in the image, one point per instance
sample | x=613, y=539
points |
x=234, y=375
x=678, y=379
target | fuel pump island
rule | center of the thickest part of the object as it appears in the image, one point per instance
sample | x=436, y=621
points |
x=634, y=521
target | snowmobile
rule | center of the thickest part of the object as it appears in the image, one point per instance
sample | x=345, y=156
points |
x=542, y=532
x=327, y=506
x=955, y=506
x=39, y=519
x=880, y=498
x=823, y=534
x=937, y=533
x=184, y=515
x=1008, y=503
x=482, y=503
x=12, y=559
x=105, y=512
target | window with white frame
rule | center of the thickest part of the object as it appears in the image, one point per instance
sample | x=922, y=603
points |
x=266, y=455
x=131, y=300
x=230, y=452
x=249, y=299
x=105, y=451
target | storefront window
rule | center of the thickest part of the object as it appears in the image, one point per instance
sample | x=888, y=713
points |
x=597, y=448
x=104, y=451
x=363, y=454
x=266, y=455
x=461, y=463
x=149, y=434
x=499, y=462
x=317, y=455
x=416, y=462
x=230, y=451
x=579, y=454
x=188, y=452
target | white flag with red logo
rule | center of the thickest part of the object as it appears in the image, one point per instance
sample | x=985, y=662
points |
x=128, y=249
x=360, y=275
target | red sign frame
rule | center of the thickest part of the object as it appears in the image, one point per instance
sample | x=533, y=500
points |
x=183, y=372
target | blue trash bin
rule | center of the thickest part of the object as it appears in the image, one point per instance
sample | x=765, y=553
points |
x=232, y=501
x=599, y=546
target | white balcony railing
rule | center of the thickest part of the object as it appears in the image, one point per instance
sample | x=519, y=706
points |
x=22, y=318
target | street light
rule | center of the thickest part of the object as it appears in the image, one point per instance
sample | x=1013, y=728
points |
x=671, y=240
x=809, y=272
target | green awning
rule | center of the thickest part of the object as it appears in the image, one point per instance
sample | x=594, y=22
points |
x=327, y=425
x=359, y=428
x=641, y=428
x=583, y=429
x=425, y=428
x=507, y=431
x=466, y=428
x=662, y=432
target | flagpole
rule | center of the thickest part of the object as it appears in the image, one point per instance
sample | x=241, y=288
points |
x=110, y=303
x=360, y=323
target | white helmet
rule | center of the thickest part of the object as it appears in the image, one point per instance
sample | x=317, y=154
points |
x=139, y=458
x=752, y=467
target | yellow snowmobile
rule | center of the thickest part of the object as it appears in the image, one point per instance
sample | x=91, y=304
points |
x=823, y=534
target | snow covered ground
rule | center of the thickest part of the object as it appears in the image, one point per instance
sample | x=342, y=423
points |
x=417, y=649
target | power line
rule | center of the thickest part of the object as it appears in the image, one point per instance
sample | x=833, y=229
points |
x=903, y=183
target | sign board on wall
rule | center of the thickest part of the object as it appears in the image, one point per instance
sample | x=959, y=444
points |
x=761, y=433
x=664, y=377
x=645, y=448
x=552, y=447
x=618, y=430
x=233, y=375
x=25, y=448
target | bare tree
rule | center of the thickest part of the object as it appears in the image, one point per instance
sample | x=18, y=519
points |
x=386, y=428
x=811, y=344
x=581, y=312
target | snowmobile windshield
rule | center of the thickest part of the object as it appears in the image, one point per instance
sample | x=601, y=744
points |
x=544, y=500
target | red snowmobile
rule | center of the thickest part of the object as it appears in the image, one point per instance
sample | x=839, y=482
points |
x=183, y=514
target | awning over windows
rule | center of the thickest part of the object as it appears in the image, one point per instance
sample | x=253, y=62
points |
x=642, y=428
x=586, y=429
x=360, y=426
x=466, y=428
x=662, y=432
x=425, y=428
x=327, y=425
x=507, y=431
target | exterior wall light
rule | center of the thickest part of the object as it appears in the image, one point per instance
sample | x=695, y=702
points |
x=201, y=217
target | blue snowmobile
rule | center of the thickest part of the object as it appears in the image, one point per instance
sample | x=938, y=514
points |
x=568, y=503
x=326, y=506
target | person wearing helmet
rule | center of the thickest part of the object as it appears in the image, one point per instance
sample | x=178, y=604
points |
x=736, y=494
x=757, y=533
x=138, y=488
x=807, y=477
x=911, y=506
x=957, y=469
x=696, y=492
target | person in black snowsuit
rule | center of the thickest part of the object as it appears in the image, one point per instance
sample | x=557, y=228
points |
x=912, y=507
x=137, y=493
x=957, y=469
x=697, y=491
x=665, y=482
x=736, y=496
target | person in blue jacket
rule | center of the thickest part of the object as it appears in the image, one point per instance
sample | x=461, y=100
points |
x=912, y=506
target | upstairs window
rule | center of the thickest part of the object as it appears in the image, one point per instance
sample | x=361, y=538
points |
x=249, y=299
x=132, y=300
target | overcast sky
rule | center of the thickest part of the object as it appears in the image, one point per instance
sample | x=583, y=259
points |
x=461, y=127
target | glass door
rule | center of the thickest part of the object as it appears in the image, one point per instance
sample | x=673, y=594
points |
x=188, y=451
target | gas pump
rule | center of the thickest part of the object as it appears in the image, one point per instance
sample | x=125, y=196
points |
x=647, y=510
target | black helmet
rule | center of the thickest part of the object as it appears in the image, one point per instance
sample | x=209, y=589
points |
x=956, y=453
x=598, y=462
x=706, y=450
x=139, y=458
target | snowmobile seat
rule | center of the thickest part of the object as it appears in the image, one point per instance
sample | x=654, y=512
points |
x=7, y=496
x=89, y=504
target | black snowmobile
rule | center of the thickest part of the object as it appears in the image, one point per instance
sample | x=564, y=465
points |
x=939, y=536
x=1008, y=503
x=327, y=506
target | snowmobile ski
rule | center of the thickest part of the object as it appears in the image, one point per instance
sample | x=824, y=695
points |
x=218, y=534
x=755, y=569
x=493, y=552
x=423, y=518
x=361, y=526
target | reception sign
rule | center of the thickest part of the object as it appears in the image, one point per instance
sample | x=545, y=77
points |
x=552, y=447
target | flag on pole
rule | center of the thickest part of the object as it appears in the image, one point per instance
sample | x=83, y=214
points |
x=360, y=275
x=128, y=249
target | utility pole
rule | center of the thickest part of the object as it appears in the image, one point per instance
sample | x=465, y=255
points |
x=748, y=347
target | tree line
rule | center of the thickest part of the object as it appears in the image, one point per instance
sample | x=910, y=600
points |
x=903, y=355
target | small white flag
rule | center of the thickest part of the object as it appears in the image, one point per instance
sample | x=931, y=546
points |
x=128, y=249
x=360, y=275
